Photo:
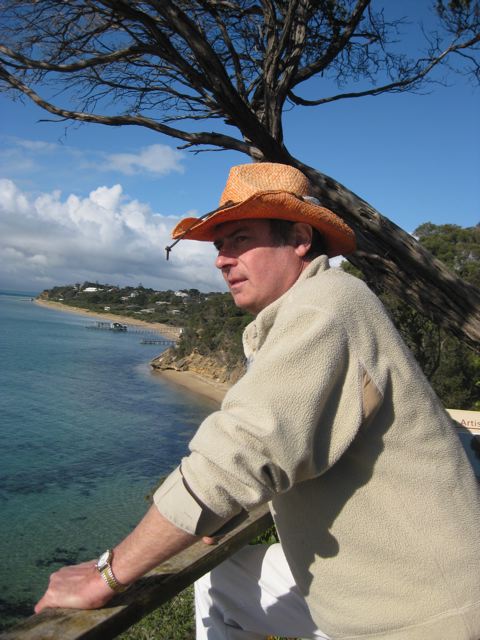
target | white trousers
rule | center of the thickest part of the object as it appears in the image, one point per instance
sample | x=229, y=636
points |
x=250, y=596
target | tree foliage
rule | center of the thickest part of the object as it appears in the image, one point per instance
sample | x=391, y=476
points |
x=457, y=247
x=167, y=307
x=214, y=328
x=172, y=65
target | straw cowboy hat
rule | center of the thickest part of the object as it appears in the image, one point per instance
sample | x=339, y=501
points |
x=269, y=190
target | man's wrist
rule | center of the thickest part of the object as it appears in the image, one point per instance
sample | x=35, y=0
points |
x=104, y=567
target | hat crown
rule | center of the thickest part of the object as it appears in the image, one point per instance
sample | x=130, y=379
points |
x=246, y=180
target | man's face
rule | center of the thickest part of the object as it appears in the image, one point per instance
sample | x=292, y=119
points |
x=256, y=270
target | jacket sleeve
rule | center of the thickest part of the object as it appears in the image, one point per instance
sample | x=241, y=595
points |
x=287, y=420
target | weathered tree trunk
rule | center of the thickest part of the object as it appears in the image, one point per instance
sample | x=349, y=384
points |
x=388, y=254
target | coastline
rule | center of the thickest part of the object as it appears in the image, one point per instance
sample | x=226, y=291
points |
x=192, y=381
x=164, y=329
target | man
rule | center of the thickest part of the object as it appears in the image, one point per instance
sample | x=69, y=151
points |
x=334, y=425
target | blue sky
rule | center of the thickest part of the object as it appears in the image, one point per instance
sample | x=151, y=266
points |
x=97, y=203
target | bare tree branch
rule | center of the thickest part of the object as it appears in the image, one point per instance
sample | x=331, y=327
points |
x=201, y=138
x=400, y=85
x=212, y=9
x=337, y=44
x=240, y=61
x=28, y=63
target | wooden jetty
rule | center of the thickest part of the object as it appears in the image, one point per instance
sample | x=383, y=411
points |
x=155, y=337
x=108, y=326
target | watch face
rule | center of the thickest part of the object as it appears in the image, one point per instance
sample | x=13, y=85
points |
x=104, y=559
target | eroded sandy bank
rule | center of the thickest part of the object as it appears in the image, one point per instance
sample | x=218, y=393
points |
x=196, y=383
x=191, y=381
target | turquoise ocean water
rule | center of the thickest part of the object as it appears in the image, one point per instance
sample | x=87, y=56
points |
x=86, y=430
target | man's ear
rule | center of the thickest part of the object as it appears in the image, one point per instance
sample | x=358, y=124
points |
x=302, y=238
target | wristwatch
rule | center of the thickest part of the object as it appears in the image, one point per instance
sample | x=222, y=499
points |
x=105, y=569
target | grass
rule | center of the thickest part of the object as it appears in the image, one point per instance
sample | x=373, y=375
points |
x=175, y=620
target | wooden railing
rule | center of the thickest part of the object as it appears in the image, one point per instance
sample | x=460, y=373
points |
x=161, y=584
x=156, y=588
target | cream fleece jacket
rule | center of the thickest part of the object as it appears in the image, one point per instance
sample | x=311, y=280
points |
x=334, y=424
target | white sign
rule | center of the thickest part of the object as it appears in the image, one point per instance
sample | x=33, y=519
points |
x=469, y=420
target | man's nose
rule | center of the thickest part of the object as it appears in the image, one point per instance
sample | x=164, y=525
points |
x=224, y=261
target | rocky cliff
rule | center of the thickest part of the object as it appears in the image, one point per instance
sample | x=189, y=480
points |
x=210, y=367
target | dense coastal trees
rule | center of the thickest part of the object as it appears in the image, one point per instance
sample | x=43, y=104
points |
x=237, y=65
x=167, y=307
x=215, y=326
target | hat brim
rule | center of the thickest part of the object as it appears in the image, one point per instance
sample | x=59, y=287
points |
x=282, y=205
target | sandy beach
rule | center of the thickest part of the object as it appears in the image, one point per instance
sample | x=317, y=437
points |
x=164, y=329
x=196, y=383
x=191, y=381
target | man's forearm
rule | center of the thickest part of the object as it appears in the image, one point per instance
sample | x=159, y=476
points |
x=154, y=540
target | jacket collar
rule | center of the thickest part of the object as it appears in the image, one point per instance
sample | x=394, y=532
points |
x=257, y=331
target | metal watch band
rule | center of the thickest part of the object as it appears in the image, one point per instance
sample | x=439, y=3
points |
x=107, y=575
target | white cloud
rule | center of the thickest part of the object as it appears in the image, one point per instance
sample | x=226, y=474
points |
x=158, y=159
x=16, y=161
x=20, y=157
x=11, y=199
x=38, y=146
x=105, y=236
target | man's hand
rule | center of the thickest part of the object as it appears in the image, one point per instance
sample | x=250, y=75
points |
x=77, y=587
x=154, y=540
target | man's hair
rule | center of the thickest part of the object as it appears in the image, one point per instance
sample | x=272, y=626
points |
x=281, y=232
